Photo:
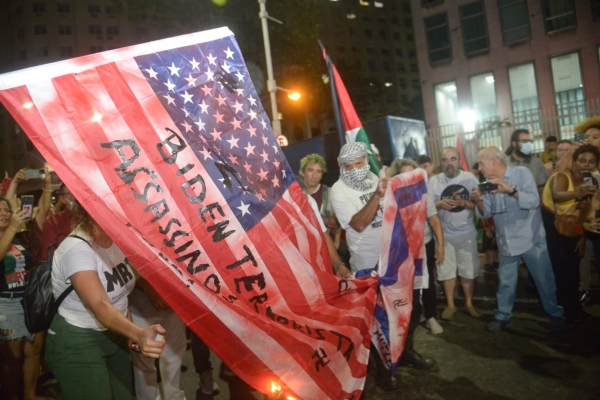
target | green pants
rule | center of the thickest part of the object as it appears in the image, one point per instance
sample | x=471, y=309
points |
x=88, y=364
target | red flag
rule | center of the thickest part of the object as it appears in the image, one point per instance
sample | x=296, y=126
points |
x=463, y=160
x=168, y=147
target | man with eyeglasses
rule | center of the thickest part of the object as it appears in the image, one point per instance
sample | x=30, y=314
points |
x=520, y=155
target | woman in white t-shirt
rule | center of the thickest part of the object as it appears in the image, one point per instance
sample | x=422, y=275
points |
x=86, y=346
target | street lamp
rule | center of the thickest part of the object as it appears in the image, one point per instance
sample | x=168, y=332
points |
x=295, y=96
x=271, y=85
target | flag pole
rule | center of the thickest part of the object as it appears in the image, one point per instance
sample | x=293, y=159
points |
x=341, y=130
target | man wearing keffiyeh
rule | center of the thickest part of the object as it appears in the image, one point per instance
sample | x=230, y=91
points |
x=356, y=199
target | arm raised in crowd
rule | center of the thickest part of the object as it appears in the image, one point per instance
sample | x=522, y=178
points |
x=364, y=217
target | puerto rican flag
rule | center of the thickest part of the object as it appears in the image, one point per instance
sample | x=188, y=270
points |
x=168, y=147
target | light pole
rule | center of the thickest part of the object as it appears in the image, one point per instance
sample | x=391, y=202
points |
x=295, y=96
x=271, y=85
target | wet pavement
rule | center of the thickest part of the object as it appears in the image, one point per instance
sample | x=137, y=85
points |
x=524, y=362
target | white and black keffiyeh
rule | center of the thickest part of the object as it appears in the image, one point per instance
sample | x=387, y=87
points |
x=356, y=177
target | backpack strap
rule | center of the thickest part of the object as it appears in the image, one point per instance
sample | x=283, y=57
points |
x=68, y=290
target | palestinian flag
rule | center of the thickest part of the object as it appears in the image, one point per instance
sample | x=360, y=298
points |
x=345, y=115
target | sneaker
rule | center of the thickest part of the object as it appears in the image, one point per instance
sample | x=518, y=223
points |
x=448, y=313
x=411, y=359
x=497, y=325
x=557, y=324
x=472, y=312
x=489, y=269
x=584, y=297
x=434, y=326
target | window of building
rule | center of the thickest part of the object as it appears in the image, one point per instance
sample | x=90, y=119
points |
x=370, y=50
x=514, y=20
x=96, y=49
x=446, y=103
x=41, y=52
x=402, y=83
x=21, y=33
x=414, y=68
x=385, y=52
x=394, y=20
x=399, y=52
x=596, y=10
x=396, y=35
x=355, y=49
x=63, y=7
x=382, y=34
x=94, y=8
x=483, y=96
x=372, y=66
x=95, y=29
x=524, y=96
x=368, y=33
x=416, y=84
x=474, y=28
x=410, y=37
x=19, y=10
x=400, y=67
x=408, y=22
x=412, y=54
x=66, y=51
x=438, y=38
x=64, y=29
x=351, y=31
x=558, y=14
x=110, y=9
x=386, y=66
x=427, y=3
x=39, y=7
x=39, y=29
x=568, y=88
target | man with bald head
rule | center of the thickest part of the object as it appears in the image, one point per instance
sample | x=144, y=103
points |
x=515, y=206
x=450, y=191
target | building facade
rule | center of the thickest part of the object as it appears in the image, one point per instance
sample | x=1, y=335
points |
x=488, y=67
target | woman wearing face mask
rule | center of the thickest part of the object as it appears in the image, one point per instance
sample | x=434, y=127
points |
x=569, y=193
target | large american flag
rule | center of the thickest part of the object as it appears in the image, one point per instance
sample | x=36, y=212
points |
x=168, y=147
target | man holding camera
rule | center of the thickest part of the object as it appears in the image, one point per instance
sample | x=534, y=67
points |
x=515, y=206
x=450, y=191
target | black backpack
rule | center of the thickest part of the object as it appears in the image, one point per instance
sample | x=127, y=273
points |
x=38, y=300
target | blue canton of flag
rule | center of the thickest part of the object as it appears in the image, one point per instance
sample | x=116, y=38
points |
x=206, y=89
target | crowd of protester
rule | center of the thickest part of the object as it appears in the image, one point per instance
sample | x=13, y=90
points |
x=541, y=211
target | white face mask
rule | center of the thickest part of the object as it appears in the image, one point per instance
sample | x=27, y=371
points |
x=526, y=148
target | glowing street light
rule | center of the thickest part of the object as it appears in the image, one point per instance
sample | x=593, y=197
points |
x=295, y=96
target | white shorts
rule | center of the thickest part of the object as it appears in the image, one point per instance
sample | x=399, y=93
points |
x=461, y=257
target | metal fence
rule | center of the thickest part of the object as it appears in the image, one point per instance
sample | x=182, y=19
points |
x=558, y=121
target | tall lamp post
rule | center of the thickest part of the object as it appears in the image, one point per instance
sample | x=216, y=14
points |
x=271, y=85
x=295, y=96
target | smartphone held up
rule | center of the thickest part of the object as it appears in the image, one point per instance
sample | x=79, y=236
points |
x=27, y=205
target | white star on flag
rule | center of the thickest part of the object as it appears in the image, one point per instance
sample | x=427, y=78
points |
x=206, y=90
x=226, y=67
x=262, y=174
x=238, y=106
x=248, y=167
x=265, y=156
x=195, y=64
x=275, y=181
x=244, y=208
x=240, y=91
x=187, y=97
x=239, y=76
x=216, y=134
x=265, y=140
x=219, y=117
x=229, y=53
x=276, y=148
x=221, y=100
x=263, y=123
x=252, y=114
x=170, y=100
x=209, y=75
x=233, y=142
x=187, y=126
x=200, y=124
x=152, y=73
x=252, y=100
x=174, y=70
x=191, y=80
x=252, y=130
x=249, y=149
x=206, y=154
x=233, y=159
x=187, y=113
x=211, y=59
x=204, y=107
x=170, y=85
x=237, y=124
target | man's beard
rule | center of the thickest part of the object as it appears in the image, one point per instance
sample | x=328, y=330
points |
x=455, y=172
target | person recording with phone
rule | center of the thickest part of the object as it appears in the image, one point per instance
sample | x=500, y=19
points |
x=20, y=231
x=567, y=198
x=514, y=205
x=87, y=345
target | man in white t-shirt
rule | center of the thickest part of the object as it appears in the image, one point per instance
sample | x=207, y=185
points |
x=450, y=191
x=356, y=199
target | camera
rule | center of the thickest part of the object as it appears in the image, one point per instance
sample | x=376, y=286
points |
x=35, y=174
x=487, y=187
x=587, y=178
x=579, y=137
